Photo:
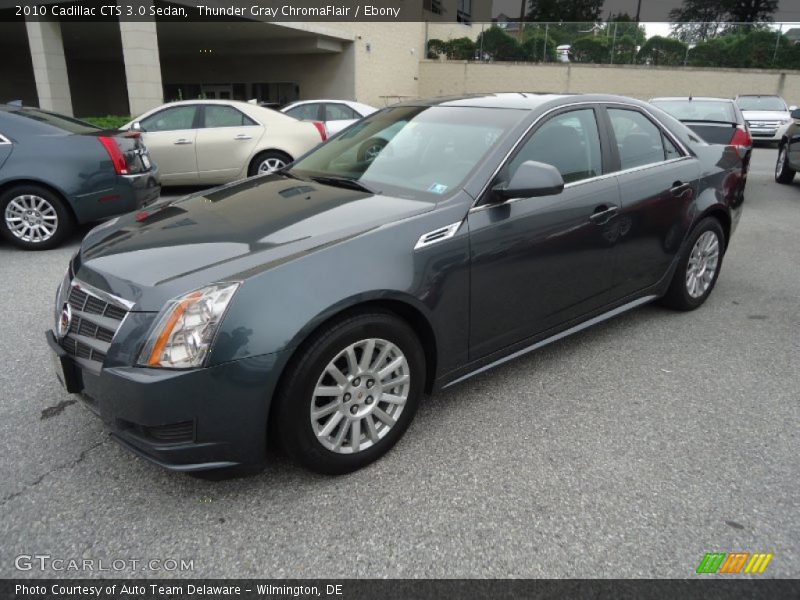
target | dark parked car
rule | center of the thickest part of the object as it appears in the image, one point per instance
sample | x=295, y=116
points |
x=316, y=305
x=789, y=151
x=56, y=172
x=716, y=120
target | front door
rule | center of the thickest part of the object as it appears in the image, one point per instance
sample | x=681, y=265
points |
x=540, y=262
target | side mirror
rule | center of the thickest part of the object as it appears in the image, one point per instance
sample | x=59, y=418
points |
x=136, y=126
x=531, y=179
x=795, y=114
x=792, y=108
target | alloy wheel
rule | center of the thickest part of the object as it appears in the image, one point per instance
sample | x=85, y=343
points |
x=31, y=218
x=270, y=165
x=360, y=396
x=702, y=264
x=781, y=161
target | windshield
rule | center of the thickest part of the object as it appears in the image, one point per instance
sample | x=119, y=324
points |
x=761, y=103
x=411, y=151
x=61, y=122
x=698, y=110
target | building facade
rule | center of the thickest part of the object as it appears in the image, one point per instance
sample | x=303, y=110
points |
x=127, y=67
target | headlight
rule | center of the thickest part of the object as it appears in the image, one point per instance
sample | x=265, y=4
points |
x=786, y=120
x=185, y=328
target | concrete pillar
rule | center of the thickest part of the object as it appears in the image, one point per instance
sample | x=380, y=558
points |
x=142, y=65
x=49, y=65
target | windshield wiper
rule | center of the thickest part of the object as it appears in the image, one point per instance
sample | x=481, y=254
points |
x=345, y=182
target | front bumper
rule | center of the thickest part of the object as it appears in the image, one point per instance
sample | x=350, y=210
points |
x=768, y=134
x=188, y=420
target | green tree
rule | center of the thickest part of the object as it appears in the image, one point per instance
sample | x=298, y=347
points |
x=461, y=48
x=659, y=50
x=556, y=11
x=591, y=49
x=436, y=48
x=499, y=45
x=534, y=48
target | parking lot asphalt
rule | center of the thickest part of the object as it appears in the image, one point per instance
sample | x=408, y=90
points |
x=628, y=450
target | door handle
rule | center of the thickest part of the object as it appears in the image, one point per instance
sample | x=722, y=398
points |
x=679, y=188
x=183, y=142
x=603, y=213
x=243, y=136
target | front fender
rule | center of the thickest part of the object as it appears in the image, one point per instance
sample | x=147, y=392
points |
x=274, y=311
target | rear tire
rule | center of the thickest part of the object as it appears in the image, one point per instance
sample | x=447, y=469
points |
x=698, y=267
x=783, y=172
x=268, y=162
x=350, y=394
x=34, y=218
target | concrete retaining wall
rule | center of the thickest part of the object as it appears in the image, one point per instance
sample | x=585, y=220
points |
x=441, y=78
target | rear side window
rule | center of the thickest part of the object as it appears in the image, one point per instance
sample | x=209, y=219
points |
x=339, y=112
x=171, y=119
x=639, y=141
x=304, y=112
x=225, y=116
x=569, y=141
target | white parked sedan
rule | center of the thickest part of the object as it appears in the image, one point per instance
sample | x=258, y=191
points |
x=335, y=114
x=217, y=141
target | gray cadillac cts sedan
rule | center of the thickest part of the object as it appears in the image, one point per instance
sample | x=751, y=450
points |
x=424, y=244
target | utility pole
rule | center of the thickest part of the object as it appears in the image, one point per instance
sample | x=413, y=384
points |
x=777, y=42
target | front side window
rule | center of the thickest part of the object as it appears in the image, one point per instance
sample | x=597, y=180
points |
x=339, y=112
x=639, y=141
x=569, y=141
x=422, y=152
x=304, y=112
x=170, y=119
x=219, y=115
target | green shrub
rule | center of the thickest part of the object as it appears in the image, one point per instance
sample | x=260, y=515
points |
x=109, y=121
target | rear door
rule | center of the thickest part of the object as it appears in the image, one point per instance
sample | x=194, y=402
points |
x=657, y=182
x=225, y=142
x=170, y=137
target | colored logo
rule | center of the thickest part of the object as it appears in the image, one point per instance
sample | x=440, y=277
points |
x=734, y=562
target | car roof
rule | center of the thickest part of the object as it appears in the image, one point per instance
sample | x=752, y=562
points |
x=758, y=96
x=692, y=99
x=518, y=100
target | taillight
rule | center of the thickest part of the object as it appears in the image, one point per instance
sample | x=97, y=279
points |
x=321, y=128
x=114, y=153
x=741, y=138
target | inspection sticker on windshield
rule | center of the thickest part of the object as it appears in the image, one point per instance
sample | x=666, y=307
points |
x=437, y=188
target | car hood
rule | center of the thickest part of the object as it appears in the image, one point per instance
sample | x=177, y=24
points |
x=765, y=115
x=228, y=233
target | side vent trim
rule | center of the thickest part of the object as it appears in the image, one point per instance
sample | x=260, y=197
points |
x=437, y=235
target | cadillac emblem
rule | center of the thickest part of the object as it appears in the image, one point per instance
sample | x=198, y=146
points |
x=64, y=321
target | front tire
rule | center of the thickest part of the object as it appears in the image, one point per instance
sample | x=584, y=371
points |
x=698, y=267
x=34, y=218
x=783, y=172
x=350, y=394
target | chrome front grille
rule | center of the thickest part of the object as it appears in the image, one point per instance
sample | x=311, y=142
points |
x=96, y=318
